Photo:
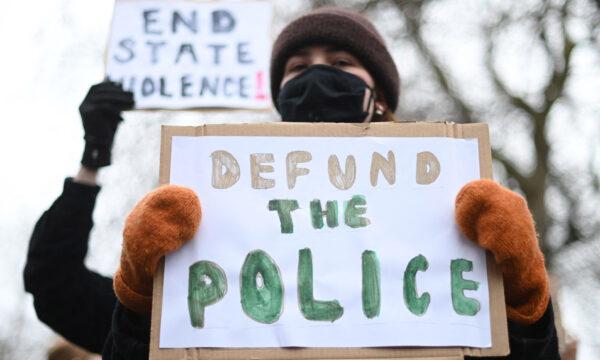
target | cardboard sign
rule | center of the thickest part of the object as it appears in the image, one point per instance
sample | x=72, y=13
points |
x=335, y=238
x=190, y=54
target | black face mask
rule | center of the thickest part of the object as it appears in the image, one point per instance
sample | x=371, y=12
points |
x=324, y=94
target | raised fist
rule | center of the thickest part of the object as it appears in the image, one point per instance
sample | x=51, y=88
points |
x=101, y=114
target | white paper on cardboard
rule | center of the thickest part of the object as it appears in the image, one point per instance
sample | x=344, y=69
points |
x=406, y=219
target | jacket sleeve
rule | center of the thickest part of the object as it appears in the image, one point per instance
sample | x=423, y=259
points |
x=75, y=302
x=129, y=336
x=536, y=341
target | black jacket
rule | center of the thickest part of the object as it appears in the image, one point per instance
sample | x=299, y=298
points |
x=81, y=305
x=75, y=302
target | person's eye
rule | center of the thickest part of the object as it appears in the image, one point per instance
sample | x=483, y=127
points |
x=297, y=67
x=342, y=62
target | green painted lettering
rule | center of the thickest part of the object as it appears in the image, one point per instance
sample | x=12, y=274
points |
x=317, y=213
x=416, y=304
x=284, y=209
x=313, y=309
x=353, y=209
x=463, y=305
x=207, y=284
x=371, y=284
x=261, y=288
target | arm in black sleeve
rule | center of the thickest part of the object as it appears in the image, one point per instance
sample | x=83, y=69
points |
x=536, y=341
x=74, y=301
x=129, y=337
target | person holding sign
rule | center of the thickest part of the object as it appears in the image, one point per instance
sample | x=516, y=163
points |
x=74, y=301
x=332, y=65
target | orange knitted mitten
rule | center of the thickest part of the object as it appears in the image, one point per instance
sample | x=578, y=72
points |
x=499, y=221
x=161, y=222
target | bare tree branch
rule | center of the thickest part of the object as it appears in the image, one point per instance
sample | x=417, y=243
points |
x=573, y=232
x=512, y=171
x=320, y=3
x=556, y=85
x=412, y=11
x=541, y=19
x=516, y=101
x=368, y=5
x=552, y=92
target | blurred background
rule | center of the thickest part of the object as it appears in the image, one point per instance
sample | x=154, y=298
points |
x=528, y=68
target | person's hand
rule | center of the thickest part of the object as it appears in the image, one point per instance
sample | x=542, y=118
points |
x=498, y=220
x=101, y=114
x=163, y=221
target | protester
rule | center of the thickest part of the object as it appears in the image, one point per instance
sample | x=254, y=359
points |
x=330, y=54
x=75, y=302
x=332, y=65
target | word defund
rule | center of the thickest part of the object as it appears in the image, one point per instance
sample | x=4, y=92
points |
x=226, y=169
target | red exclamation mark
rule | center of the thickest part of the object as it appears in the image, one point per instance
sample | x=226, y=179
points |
x=260, y=84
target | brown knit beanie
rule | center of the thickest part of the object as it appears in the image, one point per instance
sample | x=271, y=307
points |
x=350, y=31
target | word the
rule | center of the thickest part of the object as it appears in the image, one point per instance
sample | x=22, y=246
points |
x=353, y=209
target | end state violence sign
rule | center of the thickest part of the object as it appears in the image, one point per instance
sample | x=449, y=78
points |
x=191, y=54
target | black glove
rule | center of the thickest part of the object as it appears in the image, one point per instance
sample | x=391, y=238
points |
x=101, y=114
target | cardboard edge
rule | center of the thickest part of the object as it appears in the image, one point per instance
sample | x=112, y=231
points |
x=495, y=280
x=500, y=345
x=166, y=142
x=109, y=38
x=157, y=292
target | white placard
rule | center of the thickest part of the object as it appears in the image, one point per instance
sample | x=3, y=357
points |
x=190, y=54
x=405, y=219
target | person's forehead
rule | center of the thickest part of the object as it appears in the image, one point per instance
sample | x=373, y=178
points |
x=311, y=49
